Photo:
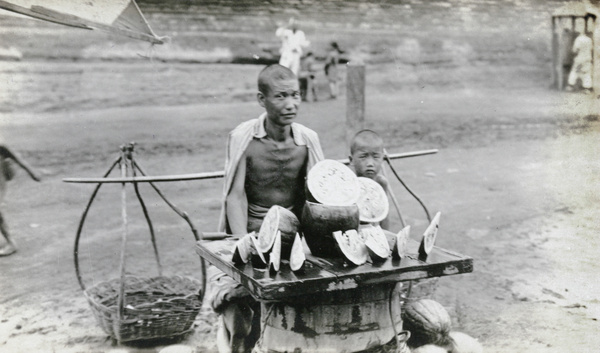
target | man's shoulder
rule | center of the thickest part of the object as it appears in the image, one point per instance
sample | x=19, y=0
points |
x=307, y=135
x=304, y=130
x=244, y=127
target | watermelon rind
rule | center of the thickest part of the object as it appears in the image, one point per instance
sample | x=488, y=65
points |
x=373, y=205
x=332, y=183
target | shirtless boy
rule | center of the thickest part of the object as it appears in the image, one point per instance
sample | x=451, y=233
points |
x=6, y=174
x=366, y=158
x=266, y=164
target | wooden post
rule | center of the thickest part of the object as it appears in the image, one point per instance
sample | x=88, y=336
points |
x=555, y=67
x=561, y=54
x=355, y=98
x=596, y=60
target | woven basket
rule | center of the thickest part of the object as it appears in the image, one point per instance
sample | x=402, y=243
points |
x=156, y=307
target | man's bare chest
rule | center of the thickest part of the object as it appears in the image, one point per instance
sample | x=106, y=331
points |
x=266, y=162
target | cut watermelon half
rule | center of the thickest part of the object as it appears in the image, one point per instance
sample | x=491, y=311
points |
x=320, y=221
x=277, y=219
x=373, y=205
x=332, y=183
x=429, y=237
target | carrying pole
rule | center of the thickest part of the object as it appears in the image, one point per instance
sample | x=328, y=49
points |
x=207, y=175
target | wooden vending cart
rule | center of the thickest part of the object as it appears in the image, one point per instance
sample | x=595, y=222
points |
x=330, y=306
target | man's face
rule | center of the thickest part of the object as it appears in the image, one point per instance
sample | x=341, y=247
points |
x=281, y=101
x=367, y=160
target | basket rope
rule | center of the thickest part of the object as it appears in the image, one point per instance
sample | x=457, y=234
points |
x=150, y=226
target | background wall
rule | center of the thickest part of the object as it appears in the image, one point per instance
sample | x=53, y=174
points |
x=406, y=31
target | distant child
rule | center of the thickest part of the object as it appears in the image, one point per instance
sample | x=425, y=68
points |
x=331, y=69
x=7, y=157
x=306, y=77
x=366, y=158
x=582, y=63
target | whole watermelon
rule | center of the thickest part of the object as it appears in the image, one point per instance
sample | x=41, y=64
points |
x=429, y=348
x=428, y=322
x=463, y=343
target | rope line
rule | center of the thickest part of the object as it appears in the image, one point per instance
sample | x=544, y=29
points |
x=387, y=159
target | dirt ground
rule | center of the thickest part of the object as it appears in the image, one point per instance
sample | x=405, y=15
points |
x=516, y=180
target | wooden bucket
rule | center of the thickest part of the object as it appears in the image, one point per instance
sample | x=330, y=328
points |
x=337, y=321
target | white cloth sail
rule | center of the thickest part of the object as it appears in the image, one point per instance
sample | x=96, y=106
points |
x=118, y=16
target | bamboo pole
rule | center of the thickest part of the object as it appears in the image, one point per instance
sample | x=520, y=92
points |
x=207, y=175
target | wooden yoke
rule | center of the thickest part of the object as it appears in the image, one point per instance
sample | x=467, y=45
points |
x=207, y=175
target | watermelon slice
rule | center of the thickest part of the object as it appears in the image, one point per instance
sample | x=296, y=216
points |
x=351, y=247
x=297, y=256
x=401, y=244
x=245, y=250
x=275, y=254
x=332, y=183
x=376, y=242
x=257, y=257
x=429, y=237
x=277, y=219
x=373, y=205
x=241, y=251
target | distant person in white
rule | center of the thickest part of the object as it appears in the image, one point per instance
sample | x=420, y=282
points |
x=293, y=41
x=582, y=63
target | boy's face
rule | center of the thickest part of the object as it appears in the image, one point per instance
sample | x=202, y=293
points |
x=281, y=101
x=367, y=160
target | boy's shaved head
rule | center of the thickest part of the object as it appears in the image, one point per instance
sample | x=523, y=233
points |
x=272, y=73
x=365, y=138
